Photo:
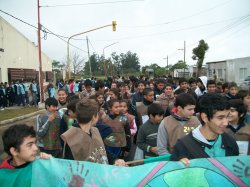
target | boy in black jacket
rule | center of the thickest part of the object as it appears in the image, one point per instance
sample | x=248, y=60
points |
x=208, y=139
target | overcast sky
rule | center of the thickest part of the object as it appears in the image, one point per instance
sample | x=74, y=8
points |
x=154, y=29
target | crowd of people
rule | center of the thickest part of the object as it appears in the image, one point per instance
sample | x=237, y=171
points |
x=120, y=120
x=18, y=93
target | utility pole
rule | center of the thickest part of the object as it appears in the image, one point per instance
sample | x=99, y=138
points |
x=184, y=60
x=90, y=71
x=40, y=55
x=184, y=57
x=167, y=65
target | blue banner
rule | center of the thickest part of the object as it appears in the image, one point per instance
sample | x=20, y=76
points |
x=226, y=171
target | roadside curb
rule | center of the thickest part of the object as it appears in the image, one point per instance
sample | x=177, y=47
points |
x=20, y=117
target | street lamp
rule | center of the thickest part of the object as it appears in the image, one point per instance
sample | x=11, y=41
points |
x=167, y=64
x=184, y=50
x=104, y=63
x=68, y=59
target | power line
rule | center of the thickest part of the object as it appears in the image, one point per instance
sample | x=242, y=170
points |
x=85, y=4
x=44, y=30
x=179, y=19
x=176, y=30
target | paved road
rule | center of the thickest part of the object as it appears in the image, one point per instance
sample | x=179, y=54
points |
x=29, y=121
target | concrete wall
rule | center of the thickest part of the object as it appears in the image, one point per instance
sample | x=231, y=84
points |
x=229, y=70
x=19, y=52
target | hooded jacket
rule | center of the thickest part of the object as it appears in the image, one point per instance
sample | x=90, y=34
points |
x=199, y=91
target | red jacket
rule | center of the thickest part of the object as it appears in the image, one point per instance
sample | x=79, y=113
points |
x=6, y=165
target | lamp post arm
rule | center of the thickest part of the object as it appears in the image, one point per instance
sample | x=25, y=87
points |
x=68, y=59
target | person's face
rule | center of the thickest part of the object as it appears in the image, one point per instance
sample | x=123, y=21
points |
x=127, y=89
x=157, y=118
x=211, y=88
x=233, y=91
x=246, y=100
x=187, y=111
x=184, y=85
x=151, y=85
x=115, y=109
x=160, y=86
x=149, y=96
x=113, y=85
x=168, y=90
x=62, y=96
x=51, y=108
x=123, y=107
x=71, y=114
x=88, y=88
x=233, y=115
x=219, y=89
x=193, y=85
x=27, y=151
x=112, y=95
x=199, y=84
x=218, y=123
x=141, y=87
x=83, y=88
x=100, y=99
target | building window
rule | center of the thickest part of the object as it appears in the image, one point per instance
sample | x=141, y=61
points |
x=219, y=73
x=243, y=73
x=210, y=73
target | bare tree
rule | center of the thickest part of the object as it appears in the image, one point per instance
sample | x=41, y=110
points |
x=77, y=64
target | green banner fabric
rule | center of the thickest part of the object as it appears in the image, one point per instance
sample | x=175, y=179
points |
x=225, y=171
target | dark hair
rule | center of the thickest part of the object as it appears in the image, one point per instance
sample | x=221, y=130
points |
x=225, y=85
x=211, y=103
x=72, y=104
x=73, y=97
x=87, y=82
x=85, y=110
x=155, y=109
x=116, y=91
x=97, y=94
x=169, y=85
x=211, y=81
x=146, y=91
x=184, y=99
x=182, y=79
x=62, y=89
x=99, y=84
x=125, y=101
x=240, y=108
x=232, y=84
x=158, y=81
x=14, y=136
x=51, y=101
x=242, y=93
x=140, y=82
x=111, y=102
x=192, y=80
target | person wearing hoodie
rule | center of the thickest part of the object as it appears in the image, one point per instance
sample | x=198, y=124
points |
x=208, y=139
x=201, y=86
x=178, y=124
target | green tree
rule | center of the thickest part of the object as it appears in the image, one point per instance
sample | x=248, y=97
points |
x=96, y=65
x=199, y=55
x=179, y=65
x=57, y=68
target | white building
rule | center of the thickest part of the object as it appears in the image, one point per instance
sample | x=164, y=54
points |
x=19, y=56
x=235, y=70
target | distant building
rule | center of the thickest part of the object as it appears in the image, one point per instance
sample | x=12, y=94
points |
x=19, y=56
x=235, y=70
x=193, y=70
x=181, y=73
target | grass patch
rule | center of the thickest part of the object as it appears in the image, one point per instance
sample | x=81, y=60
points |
x=13, y=113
